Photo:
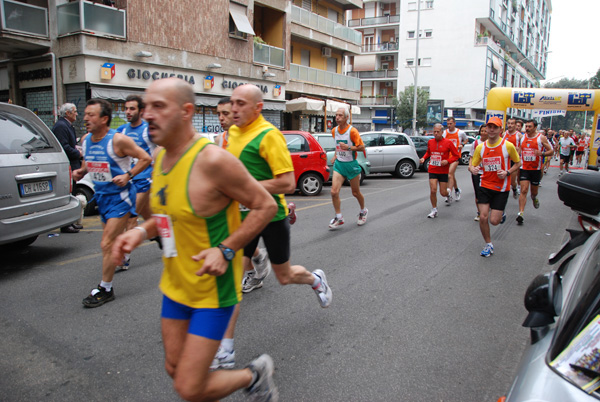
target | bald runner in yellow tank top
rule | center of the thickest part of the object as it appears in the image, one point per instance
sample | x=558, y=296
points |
x=193, y=234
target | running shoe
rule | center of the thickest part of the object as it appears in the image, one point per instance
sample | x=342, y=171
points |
x=476, y=219
x=515, y=193
x=250, y=282
x=263, y=389
x=323, y=291
x=292, y=214
x=457, y=193
x=98, y=297
x=433, y=213
x=262, y=265
x=336, y=222
x=536, y=202
x=520, y=218
x=503, y=219
x=449, y=199
x=124, y=265
x=224, y=359
x=488, y=250
x=362, y=217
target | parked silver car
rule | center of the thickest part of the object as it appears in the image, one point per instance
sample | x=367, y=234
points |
x=35, y=179
x=391, y=152
x=466, y=151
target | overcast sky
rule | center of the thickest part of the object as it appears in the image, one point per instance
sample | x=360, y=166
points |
x=574, y=46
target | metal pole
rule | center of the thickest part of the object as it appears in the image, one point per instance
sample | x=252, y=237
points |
x=414, y=122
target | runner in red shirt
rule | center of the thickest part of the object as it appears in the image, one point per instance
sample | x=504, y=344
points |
x=581, y=145
x=533, y=147
x=458, y=138
x=441, y=153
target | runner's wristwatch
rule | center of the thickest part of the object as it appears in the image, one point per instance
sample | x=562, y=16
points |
x=228, y=253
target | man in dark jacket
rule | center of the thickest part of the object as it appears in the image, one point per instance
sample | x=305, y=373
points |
x=65, y=133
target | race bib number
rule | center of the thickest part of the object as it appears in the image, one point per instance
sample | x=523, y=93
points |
x=342, y=154
x=165, y=231
x=435, y=160
x=100, y=171
x=492, y=164
x=529, y=155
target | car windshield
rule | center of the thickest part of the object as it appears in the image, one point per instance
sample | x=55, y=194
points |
x=327, y=142
x=19, y=136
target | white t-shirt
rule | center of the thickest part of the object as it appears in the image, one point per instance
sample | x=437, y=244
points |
x=564, y=145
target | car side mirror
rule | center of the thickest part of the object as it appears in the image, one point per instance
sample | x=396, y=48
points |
x=543, y=300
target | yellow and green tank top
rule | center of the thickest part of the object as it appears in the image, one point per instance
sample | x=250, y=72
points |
x=263, y=150
x=192, y=234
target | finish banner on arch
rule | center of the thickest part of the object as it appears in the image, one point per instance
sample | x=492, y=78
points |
x=544, y=98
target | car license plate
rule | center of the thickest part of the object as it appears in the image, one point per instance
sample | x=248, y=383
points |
x=37, y=187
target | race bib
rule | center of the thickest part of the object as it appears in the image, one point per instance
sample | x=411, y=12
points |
x=455, y=142
x=343, y=155
x=529, y=155
x=492, y=164
x=100, y=171
x=435, y=160
x=165, y=231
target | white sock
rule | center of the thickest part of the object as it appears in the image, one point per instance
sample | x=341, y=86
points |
x=434, y=209
x=339, y=216
x=363, y=211
x=106, y=285
x=317, y=282
x=227, y=344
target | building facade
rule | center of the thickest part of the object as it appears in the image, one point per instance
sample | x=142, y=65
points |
x=57, y=51
x=466, y=47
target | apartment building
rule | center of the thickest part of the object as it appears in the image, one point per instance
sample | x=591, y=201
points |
x=466, y=47
x=56, y=51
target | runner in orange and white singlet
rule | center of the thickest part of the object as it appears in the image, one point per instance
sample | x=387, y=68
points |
x=458, y=138
x=581, y=146
x=493, y=156
x=533, y=147
x=514, y=136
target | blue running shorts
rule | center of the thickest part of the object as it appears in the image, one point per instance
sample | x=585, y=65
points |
x=116, y=205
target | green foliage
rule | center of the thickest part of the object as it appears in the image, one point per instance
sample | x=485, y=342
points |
x=404, y=107
x=573, y=120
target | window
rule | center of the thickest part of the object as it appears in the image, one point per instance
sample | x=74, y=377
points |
x=296, y=143
x=410, y=62
x=239, y=26
x=425, y=62
x=385, y=66
x=370, y=140
x=306, y=4
x=412, y=6
x=429, y=4
x=411, y=34
x=394, y=139
x=428, y=33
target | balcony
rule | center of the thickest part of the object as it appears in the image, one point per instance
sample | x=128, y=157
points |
x=365, y=22
x=24, y=18
x=322, y=77
x=375, y=74
x=380, y=47
x=270, y=55
x=325, y=25
x=379, y=100
x=91, y=18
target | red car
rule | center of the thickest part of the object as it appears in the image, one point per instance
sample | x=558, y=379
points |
x=310, y=161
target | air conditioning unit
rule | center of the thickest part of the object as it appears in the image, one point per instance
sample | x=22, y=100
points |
x=389, y=84
x=326, y=51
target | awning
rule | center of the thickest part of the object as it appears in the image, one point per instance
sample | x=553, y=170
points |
x=334, y=106
x=238, y=13
x=304, y=105
x=365, y=63
x=279, y=106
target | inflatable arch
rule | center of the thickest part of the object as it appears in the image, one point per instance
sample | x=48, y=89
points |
x=500, y=98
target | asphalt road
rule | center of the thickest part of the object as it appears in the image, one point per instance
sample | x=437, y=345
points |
x=417, y=315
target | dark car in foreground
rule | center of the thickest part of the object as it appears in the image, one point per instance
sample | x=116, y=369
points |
x=35, y=179
x=310, y=161
x=562, y=362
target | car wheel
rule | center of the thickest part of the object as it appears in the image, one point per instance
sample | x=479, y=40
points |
x=90, y=208
x=23, y=243
x=405, y=169
x=310, y=184
x=464, y=158
x=426, y=166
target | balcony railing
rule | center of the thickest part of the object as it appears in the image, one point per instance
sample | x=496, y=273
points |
x=322, y=24
x=24, y=18
x=96, y=19
x=265, y=54
x=386, y=19
x=376, y=100
x=322, y=77
x=380, y=47
x=374, y=74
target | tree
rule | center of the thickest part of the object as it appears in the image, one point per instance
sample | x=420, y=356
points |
x=404, y=106
x=573, y=120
